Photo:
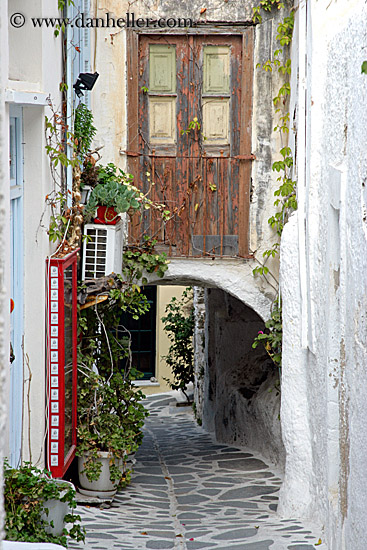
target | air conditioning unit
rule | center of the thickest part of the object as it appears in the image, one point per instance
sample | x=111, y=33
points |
x=102, y=249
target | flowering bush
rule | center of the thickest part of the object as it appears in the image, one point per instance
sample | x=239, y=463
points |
x=272, y=340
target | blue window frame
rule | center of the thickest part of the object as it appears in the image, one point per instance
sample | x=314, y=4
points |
x=77, y=61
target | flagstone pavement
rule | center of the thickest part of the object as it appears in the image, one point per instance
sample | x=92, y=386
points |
x=190, y=493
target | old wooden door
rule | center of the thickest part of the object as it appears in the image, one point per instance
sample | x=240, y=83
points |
x=189, y=135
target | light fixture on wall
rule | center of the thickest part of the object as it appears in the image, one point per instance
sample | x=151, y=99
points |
x=85, y=81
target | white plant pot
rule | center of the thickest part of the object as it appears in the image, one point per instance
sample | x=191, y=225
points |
x=103, y=486
x=19, y=545
x=127, y=463
x=57, y=510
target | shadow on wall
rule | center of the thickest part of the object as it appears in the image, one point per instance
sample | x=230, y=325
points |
x=242, y=398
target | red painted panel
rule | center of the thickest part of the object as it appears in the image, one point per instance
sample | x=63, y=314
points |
x=61, y=306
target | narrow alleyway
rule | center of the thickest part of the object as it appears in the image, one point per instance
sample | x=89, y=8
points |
x=189, y=493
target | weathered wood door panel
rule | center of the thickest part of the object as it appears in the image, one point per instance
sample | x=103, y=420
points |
x=189, y=134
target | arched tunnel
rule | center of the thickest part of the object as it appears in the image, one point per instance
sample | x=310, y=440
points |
x=217, y=485
x=237, y=387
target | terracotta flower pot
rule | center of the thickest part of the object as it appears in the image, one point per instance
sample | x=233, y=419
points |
x=106, y=215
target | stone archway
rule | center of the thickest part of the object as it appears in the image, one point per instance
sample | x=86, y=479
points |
x=237, y=387
x=233, y=276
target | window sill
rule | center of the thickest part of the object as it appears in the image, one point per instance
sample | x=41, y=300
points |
x=144, y=383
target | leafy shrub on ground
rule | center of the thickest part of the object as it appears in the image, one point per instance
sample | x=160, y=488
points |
x=179, y=324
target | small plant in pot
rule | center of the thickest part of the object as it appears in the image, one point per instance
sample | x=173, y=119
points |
x=33, y=502
x=114, y=194
x=110, y=414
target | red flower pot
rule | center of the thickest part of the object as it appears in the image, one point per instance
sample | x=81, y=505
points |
x=106, y=215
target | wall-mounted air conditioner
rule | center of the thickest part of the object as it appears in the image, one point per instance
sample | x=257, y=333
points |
x=102, y=249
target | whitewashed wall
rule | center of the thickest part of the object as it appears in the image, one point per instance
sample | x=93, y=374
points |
x=35, y=66
x=4, y=250
x=323, y=269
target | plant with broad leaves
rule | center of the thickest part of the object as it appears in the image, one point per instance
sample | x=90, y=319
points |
x=110, y=419
x=141, y=260
x=114, y=189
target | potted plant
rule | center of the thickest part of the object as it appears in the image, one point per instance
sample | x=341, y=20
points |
x=114, y=194
x=110, y=414
x=110, y=418
x=56, y=509
x=38, y=507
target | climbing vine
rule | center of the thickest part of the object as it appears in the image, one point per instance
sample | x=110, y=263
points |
x=84, y=129
x=272, y=340
x=285, y=195
x=59, y=138
x=110, y=414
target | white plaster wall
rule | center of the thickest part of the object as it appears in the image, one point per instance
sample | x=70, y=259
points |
x=36, y=67
x=324, y=376
x=24, y=62
x=296, y=496
x=233, y=276
x=4, y=254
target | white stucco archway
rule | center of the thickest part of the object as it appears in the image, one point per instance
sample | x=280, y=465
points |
x=233, y=382
x=232, y=276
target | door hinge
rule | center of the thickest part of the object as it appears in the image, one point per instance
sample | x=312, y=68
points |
x=130, y=153
x=246, y=157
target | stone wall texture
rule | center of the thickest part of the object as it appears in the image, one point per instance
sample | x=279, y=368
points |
x=199, y=352
x=242, y=396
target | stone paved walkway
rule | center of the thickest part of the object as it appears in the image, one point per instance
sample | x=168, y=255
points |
x=190, y=493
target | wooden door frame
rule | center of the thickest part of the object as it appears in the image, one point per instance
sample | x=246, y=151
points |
x=247, y=34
